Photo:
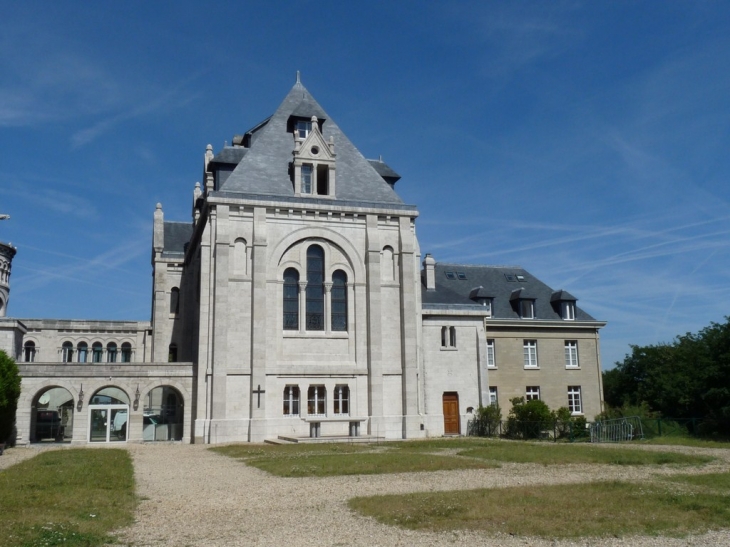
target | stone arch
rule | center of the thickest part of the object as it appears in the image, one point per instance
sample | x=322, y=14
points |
x=51, y=413
x=163, y=413
x=240, y=256
x=387, y=263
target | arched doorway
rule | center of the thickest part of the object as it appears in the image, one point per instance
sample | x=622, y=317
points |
x=52, y=415
x=163, y=415
x=451, y=413
x=108, y=416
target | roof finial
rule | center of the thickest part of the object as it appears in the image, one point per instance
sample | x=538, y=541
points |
x=299, y=79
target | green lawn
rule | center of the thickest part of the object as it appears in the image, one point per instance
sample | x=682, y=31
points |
x=66, y=497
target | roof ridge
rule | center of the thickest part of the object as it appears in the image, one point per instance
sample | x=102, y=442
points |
x=478, y=265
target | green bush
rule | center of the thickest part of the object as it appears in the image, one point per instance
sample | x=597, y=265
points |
x=9, y=394
x=528, y=420
x=486, y=421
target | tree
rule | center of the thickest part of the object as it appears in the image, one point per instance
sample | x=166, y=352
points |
x=9, y=394
x=529, y=419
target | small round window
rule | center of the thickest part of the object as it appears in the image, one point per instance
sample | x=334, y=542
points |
x=315, y=150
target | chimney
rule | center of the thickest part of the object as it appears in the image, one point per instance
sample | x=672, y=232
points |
x=429, y=265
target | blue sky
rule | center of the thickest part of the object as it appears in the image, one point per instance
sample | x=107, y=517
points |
x=585, y=141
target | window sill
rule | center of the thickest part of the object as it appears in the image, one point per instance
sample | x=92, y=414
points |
x=448, y=348
x=316, y=334
x=572, y=368
x=492, y=367
x=531, y=368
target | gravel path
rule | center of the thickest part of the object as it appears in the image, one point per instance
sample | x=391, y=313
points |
x=192, y=496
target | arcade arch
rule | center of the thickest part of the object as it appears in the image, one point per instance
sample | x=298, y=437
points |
x=52, y=415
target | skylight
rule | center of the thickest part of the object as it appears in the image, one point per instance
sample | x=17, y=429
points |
x=510, y=277
x=520, y=277
x=461, y=275
x=450, y=275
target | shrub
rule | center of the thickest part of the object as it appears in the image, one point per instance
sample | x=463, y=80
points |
x=9, y=394
x=486, y=421
x=529, y=419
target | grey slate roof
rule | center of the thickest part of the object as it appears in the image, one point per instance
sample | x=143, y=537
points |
x=230, y=155
x=177, y=235
x=385, y=171
x=493, y=280
x=265, y=167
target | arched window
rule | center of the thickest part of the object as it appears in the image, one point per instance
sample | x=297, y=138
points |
x=174, y=300
x=111, y=352
x=317, y=402
x=386, y=265
x=83, y=349
x=67, y=352
x=339, y=301
x=29, y=352
x=315, y=288
x=97, y=350
x=291, y=401
x=291, y=299
x=126, y=352
x=239, y=257
x=342, y=399
x=172, y=353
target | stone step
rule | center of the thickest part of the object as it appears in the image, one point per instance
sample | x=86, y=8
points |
x=331, y=439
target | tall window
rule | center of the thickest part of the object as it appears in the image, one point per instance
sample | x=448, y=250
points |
x=29, y=352
x=316, y=402
x=291, y=401
x=174, y=300
x=571, y=353
x=239, y=256
x=97, y=351
x=574, y=403
x=448, y=337
x=126, y=352
x=67, y=352
x=83, y=351
x=527, y=309
x=315, y=288
x=529, y=348
x=493, y=398
x=339, y=301
x=111, y=352
x=303, y=129
x=568, y=309
x=172, y=353
x=342, y=400
x=291, y=299
x=532, y=393
x=306, y=179
x=491, y=361
x=386, y=264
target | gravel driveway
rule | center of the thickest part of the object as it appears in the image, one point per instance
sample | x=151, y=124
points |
x=192, y=496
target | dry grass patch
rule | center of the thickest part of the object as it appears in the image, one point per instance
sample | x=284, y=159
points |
x=66, y=497
x=562, y=511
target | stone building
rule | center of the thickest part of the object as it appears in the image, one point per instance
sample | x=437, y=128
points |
x=296, y=303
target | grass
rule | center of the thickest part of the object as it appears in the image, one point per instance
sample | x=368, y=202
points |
x=686, y=441
x=561, y=511
x=66, y=497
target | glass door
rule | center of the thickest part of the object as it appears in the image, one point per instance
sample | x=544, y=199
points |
x=108, y=423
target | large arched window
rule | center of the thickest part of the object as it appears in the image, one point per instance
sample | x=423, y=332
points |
x=174, y=300
x=29, y=352
x=67, y=352
x=83, y=351
x=291, y=299
x=97, y=350
x=111, y=352
x=317, y=401
x=126, y=352
x=291, y=401
x=339, y=301
x=315, y=288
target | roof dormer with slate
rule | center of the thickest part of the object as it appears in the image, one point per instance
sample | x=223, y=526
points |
x=313, y=166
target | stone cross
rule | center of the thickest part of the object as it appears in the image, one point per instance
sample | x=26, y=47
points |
x=258, y=392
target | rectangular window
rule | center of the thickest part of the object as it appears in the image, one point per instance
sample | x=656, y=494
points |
x=532, y=393
x=452, y=336
x=306, y=179
x=342, y=400
x=571, y=354
x=448, y=337
x=316, y=402
x=493, y=398
x=568, y=310
x=491, y=361
x=574, y=403
x=291, y=401
x=303, y=129
x=527, y=309
x=530, y=353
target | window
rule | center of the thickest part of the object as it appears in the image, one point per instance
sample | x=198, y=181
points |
x=450, y=275
x=452, y=337
x=111, y=352
x=239, y=257
x=574, y=403
x=126, y=352
x=568, y=310
x=448, y=337
x=83, y=351
x=530, y=352
x=571, y=354
x=67, y=352
x=532, y=393
x=491, y=362
x=342, y=400
x=306, y=179
x=461, y=275
x=97, y=351
x=316, y=402
x=303, y=129
x=315, y=288
x=175, y=300
x=339, y=301
x=172, y=353
x=527, y=309
x=493, y=398
x=386, y=264
x=29, y=350
x=291, y=401
x=291, y=299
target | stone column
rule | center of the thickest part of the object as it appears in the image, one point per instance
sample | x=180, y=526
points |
x=220, y=314
x=257, y=432
x=374, y=324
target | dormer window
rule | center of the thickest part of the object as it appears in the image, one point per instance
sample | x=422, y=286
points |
x=483, y=298
x=313, y=165
x=568, y=311
x=523, y=303
x=303, y=129
x=527, y=309
x=564, y=303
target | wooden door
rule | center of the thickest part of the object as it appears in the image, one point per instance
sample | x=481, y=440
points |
x=451, y=414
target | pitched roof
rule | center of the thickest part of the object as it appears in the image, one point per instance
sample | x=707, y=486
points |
x=264, y=169
x=177, y=235
x=455, y=284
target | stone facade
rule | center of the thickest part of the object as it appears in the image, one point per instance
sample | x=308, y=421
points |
x=294, y=303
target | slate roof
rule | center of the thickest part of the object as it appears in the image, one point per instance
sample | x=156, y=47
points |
x=264, y=169
x=230, y=155
x=177, y=235
x=493, y=280
x=385, y=171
